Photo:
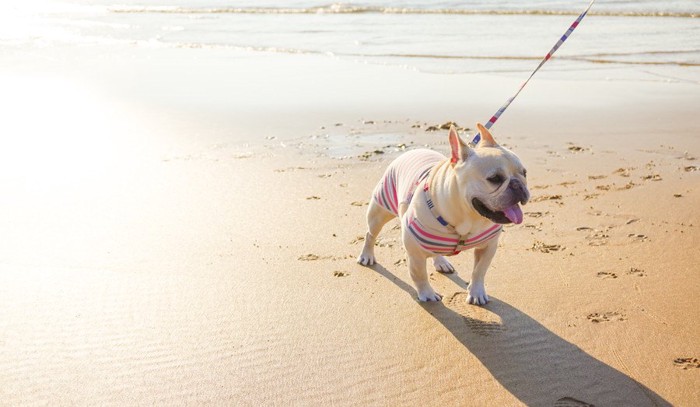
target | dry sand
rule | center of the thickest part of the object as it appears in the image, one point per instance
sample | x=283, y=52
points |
x=214, y=272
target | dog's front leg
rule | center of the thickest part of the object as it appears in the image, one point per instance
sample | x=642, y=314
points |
x=417, y=259
x=482, y=261
x=419, y=275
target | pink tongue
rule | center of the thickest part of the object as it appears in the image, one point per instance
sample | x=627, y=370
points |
x=514, y=214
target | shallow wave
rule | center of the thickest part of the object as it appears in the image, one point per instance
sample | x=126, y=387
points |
x=642, y=58
x=345, y=9
x=594, y=59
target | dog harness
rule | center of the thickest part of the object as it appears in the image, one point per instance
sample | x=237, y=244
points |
x=401, y=179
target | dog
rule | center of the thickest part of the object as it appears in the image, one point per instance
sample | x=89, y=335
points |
x=447, y=205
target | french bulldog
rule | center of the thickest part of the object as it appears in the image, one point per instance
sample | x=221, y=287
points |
x=447, y=205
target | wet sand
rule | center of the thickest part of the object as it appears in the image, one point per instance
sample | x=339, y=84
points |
x=193, y=266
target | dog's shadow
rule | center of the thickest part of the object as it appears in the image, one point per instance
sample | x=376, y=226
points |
x=533, y=363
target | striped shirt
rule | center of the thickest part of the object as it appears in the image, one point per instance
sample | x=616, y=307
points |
x=403, y=176
x=398, y=185
x=443, y=242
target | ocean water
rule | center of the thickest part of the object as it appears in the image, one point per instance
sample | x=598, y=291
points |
x=623, y=40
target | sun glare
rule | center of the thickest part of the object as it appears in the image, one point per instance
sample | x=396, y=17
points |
x=18, y=19
x=55, y=133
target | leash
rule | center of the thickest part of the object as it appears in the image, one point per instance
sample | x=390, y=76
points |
x=554, y=49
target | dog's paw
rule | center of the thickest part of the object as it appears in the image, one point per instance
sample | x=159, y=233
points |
x=442, y=265
x=366, y=259
x=429, y=295
x=477, y=295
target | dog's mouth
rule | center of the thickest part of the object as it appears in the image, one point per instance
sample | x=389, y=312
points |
x=511, y=214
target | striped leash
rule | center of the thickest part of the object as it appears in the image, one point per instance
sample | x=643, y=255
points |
x=554, y=49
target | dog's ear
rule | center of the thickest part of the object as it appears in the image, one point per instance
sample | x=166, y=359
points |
x=486, y=137
x=460, y=149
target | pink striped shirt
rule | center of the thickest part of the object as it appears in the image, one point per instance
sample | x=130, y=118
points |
x=443, y=242
x=398, y=185
x=403, y=176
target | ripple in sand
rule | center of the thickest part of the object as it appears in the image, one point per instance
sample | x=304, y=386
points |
x=479, y=320
x=571, y=402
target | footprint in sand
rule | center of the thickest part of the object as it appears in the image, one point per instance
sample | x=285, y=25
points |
x=652, y=177
x=636, y=272
x=340, y=274
x=546, y=198
x=479, y=320
x=542, y=247
x=627, y=186
x=313, y=257
x=291, y=169
x=606, y=317
x=576, y=149
x=597, y=238
x=606, y=274
x=687, y=363
x=571, y=402
x=400, y=262
x=537, y=227
x=357, y=240
x=623, y=172
x=386, y=242
x=638, y=237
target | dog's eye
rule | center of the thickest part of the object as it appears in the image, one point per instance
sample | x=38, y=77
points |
x=525, y=173
x=496, y=179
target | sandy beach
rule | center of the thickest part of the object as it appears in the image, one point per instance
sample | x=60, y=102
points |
x=180, y=239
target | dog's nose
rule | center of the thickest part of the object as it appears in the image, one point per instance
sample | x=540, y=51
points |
x=519, y=190
x=515, y=185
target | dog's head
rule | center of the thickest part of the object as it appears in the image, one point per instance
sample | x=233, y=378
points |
x=490, y=177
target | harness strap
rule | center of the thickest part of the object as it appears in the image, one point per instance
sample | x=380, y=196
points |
x=431, y=205
x=460, y=242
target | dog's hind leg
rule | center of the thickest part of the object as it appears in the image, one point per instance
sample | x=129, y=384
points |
x=377, y=217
